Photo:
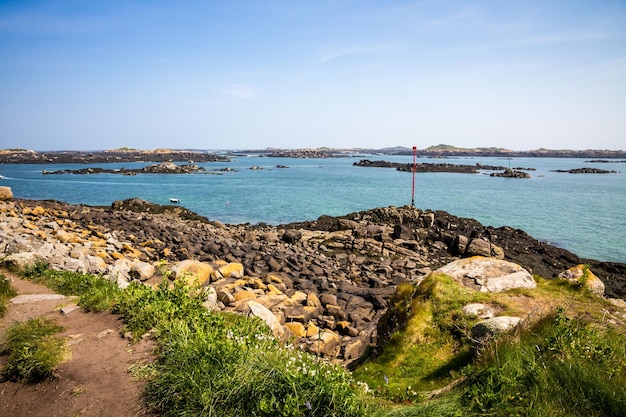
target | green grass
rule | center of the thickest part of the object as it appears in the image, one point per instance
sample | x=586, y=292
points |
x=95, y=292
x=6, y=292
x=560, y=367
x=228, y=365
x=33, y=350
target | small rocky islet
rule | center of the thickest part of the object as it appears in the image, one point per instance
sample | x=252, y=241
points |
x=326, y=284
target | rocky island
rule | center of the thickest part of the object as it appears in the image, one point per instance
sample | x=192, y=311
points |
x=586, y=170
x=23, y=156
x=428, y=167
x=162, y=168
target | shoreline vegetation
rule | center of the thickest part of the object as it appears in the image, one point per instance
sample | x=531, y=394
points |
x=406, y=299
x=23, y=156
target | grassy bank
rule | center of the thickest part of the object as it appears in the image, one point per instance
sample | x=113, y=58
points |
x=567, y=363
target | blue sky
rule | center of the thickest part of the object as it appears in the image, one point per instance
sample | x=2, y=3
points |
x=293, y=74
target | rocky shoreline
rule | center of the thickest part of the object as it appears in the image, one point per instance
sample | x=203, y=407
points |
x=326, y=283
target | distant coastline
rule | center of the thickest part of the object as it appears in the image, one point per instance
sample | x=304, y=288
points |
x=23, y=156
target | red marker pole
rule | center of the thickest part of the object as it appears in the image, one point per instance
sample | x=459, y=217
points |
x=413, y=186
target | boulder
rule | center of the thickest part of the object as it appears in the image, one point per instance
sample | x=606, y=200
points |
x=489, y=328
x=582, y=275
x=142, y=271
x=192, y=272
x=292, y=235
x=267, y=316
x=488, y=274
x=119, y=272
x=22, y=260
x=5, y=193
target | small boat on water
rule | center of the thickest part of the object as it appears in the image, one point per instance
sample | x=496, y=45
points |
x=2, y=177
x=174, y=200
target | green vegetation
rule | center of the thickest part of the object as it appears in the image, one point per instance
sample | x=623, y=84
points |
x=230, y=365
x=33, y=349
x=567, y=363
x=96, y=293
x=216, y=364
x=563, y=364
x=557, y=364
x=6, y=292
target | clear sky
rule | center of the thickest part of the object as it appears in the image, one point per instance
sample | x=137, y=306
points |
x=232, y=74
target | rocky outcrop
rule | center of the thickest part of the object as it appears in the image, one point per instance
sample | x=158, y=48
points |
x=162, y=168
x=21, y=156
x=425, y=167
x=326, y=282
x=488, y=275
x=586, y=170
x=510, y=173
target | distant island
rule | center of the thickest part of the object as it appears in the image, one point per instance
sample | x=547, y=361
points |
x=23, y=156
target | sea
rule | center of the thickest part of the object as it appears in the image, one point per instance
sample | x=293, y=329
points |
x=583, y=213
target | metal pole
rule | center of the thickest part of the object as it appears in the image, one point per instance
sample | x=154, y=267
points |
x=413, y=186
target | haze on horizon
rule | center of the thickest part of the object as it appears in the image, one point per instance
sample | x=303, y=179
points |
x=300, y=74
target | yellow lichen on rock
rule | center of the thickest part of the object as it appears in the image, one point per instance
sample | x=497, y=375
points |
x=582, y=275
x=192, y=272
x=231, y=270
x=296, y=328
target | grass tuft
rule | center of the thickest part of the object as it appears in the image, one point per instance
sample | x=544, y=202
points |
x=33, y=349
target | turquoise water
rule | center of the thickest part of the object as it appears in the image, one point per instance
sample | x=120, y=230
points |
x=584, y=213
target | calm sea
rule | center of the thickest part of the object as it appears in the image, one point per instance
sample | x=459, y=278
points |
x=584, y=213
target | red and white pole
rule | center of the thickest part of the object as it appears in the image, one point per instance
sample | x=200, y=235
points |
x=414, y=169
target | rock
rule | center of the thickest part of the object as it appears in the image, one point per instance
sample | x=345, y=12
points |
x=192, y=272
x=488, y=274
x=326, y=343
x=142, y=271
x=233, y=269
x=292, y=235
x=211, y=301
x=494, y=326
x=5, y=193
x=582, y=275
x=296, y=328
x=33, y=298
x=95, y=265
x=477, y=247
x=479, y=310
x=327, y=299
x=68, y=309
x=22, y=260
x=119, y=272
x=267, y=316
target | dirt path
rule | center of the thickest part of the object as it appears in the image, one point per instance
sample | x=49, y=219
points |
x=95, y=381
